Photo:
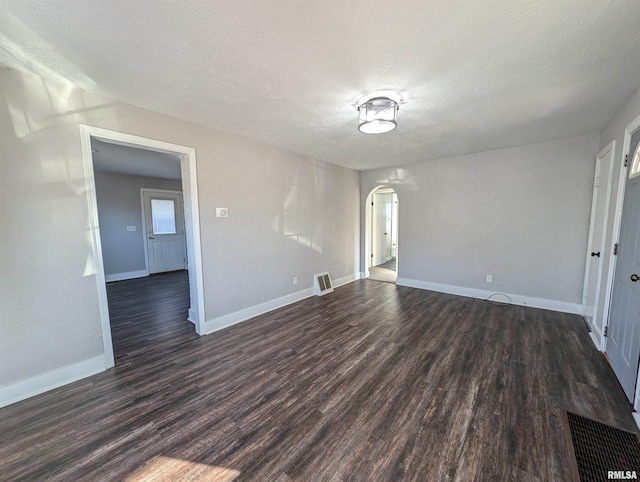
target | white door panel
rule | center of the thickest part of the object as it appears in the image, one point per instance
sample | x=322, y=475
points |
x=174, y=249
x=156, y=249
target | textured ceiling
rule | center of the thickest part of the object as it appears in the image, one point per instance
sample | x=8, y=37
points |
x=471, y=75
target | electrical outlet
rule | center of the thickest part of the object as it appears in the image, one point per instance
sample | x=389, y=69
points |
x=295, y=280
x=489, y=278
x=222, y=212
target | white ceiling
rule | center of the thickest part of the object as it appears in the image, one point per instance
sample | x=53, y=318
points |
x=109, y=157
x=471, y=75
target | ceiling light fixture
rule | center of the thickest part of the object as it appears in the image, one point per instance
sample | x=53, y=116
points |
x=377, y=115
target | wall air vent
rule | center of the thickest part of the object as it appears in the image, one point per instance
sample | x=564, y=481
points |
x=322, y=284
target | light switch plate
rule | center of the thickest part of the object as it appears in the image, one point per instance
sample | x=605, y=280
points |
x=222, y=212
x=131, y=228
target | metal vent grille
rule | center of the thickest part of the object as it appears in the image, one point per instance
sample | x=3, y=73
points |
x=322, y=284
x=599, y=449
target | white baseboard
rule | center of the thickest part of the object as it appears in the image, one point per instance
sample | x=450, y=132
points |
x=48, y=381
x=243, y=315
x=191, y=316
x=596, y=340
x=545, y=304
x=123, y=276
x=345, y=280
x=248, y=313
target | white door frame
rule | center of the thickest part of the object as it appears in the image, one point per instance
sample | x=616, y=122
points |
x=368, y=223
x=628, y=132
x=622, y=181
x=596, y=324
x=144, y=221
x=192, y=223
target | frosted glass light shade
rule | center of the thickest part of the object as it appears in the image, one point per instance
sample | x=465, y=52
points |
x=377, y=116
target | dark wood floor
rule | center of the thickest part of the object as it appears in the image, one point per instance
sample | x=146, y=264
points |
x=373, y=382
x=149, y=314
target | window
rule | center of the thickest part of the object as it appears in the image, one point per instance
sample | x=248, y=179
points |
x=163, y=216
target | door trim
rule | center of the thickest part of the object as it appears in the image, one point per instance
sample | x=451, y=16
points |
x=189, y=173
x=368, y=227
x=144, y=221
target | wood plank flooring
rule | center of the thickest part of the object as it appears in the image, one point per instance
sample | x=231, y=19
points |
x=373, y=382
x=149, y=313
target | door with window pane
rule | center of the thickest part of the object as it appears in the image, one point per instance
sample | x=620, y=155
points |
x=164, y=221
x=623, y=341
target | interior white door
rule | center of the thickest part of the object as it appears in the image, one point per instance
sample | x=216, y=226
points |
x=381, y=227
x=388, y=229
x=164, y=222
x=623, y=340
x=594, y=285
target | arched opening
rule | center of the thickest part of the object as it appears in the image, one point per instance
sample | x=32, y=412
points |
x=381, y=234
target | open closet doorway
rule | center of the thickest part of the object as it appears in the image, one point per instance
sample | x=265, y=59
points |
x=382, y=235
x=143, y=211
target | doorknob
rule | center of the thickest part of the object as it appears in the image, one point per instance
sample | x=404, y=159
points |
x=151, y=237
x=595, y=254
x=635, y=277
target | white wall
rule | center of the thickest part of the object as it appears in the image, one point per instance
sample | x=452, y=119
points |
x=615, y=131
x=48, y=301
x=520, y=214
x=289, y=216
x=119, y=206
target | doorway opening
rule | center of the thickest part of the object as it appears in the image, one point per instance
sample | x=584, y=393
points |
x=595, y=302
x=129, y=246
x=381, y=235
x=142, y=233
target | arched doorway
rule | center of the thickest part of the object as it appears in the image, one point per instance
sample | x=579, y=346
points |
x=381, y=234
